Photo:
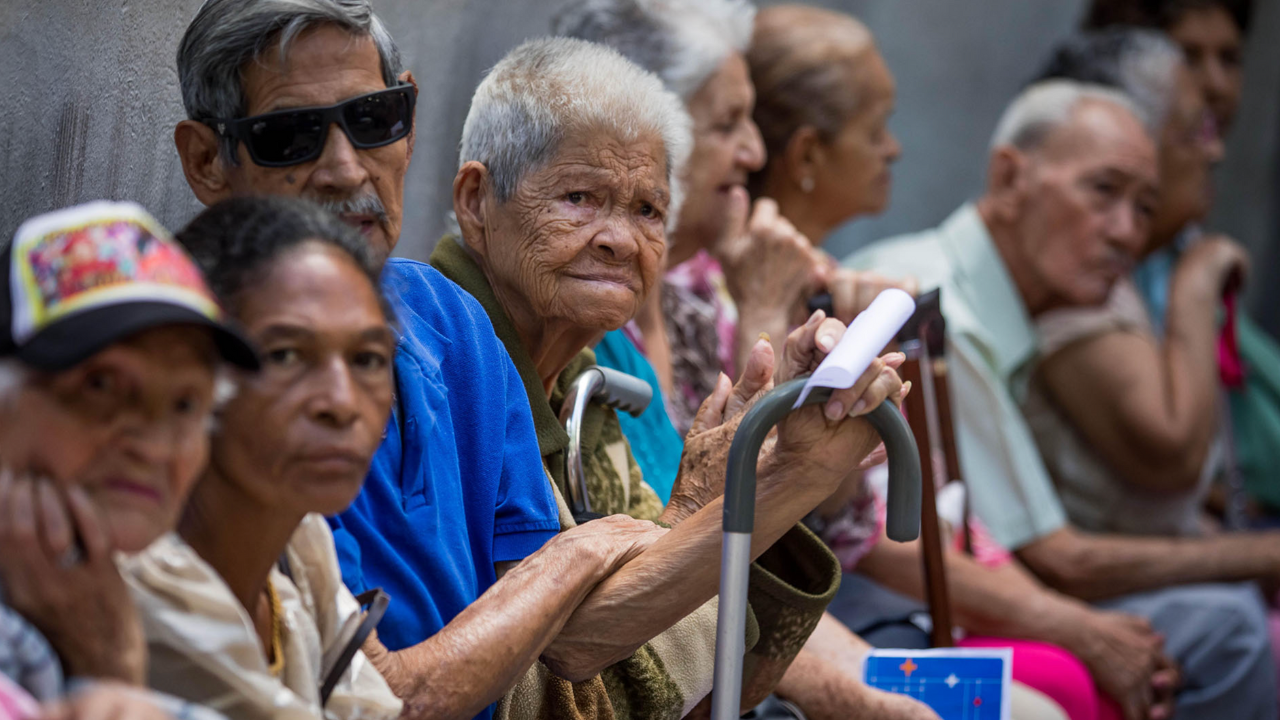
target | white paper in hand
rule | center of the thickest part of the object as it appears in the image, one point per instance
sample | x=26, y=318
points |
x=867, y=335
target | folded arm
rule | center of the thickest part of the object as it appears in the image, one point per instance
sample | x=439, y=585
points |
x=1095, y=567
x=812, y=455
x=1150, y=407
x=485, y=650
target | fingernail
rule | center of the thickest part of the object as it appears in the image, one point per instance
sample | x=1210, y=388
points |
x=826, y=341
x=858, y=407
x=817, y=317
x=906, y=388
x=764, y=336
x=835, y=410
x=895, y=359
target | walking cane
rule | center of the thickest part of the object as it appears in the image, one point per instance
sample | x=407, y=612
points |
x=609, y=387
x=902, y=524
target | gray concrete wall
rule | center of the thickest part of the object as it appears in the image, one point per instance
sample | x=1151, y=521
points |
x=90, y=99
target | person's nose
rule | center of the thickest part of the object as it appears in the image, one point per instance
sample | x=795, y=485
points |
x=150, y=439
x=750, y=153
x=1125, y=229
x=894, y=149
x=334, y=396
x=339, y=169
x=617, y=239
x=1217, y=81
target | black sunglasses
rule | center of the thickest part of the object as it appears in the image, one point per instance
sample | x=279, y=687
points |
x=291, y=137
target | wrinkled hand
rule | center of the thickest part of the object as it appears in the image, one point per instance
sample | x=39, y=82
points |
x=852, y=291
x=105, y=701
x=769, y=266
x=832, y=439
x=1126, y=658
x=81, y=604
x=1221, y=260
x=706, y=449
x=612, y=541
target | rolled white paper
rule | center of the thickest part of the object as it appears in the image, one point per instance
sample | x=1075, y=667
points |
x=868, y=334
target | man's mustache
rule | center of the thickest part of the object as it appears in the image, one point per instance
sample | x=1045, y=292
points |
x=367, y=204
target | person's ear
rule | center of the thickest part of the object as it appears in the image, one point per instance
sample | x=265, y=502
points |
x=471, y=196
x=804, y=156
x=1007, y=177
x=407, y=77
x=201, y=161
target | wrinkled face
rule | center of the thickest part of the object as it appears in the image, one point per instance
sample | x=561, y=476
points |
x=856, y=177
x=326, y=66
x=1086, y=204
x=300, y=433
x=1212, y=44
x=581, y=240
x=129, y=425
x=727, y=148
x=1189, y=148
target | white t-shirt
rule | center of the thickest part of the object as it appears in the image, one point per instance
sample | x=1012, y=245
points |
x=204, y=647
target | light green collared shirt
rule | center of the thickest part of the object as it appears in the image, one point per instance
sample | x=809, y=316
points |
x=991, y=342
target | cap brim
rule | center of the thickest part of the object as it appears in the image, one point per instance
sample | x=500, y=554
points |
x=73, y=339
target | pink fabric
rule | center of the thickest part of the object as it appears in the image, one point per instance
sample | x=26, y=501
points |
x=16, y=703
x=1056, y=673
x=1230, y=366
x=701, y=276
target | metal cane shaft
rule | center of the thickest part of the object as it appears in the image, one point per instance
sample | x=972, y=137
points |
x=903, y=522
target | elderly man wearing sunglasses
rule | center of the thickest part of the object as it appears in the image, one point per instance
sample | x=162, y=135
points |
x=308, y=98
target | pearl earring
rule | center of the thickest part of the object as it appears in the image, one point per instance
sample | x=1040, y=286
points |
x=806, y=184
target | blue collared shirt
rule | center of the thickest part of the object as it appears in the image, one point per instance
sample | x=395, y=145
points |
x=457, y=484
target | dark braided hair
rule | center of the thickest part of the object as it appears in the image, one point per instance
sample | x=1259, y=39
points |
x=236, y=241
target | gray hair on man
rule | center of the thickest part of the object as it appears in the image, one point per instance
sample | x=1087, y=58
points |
x=1046, y=106
x=681, y=41
x=1141, y=63
x=547, y=88
x=227, y=34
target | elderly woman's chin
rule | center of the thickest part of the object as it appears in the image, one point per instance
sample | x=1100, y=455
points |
x=598, y=304
x=131, y=526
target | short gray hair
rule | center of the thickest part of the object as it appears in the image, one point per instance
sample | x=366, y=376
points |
x=680, y=41
x=1047, y=106
x=547, y=88
x=1142, y=64
x=227, y=34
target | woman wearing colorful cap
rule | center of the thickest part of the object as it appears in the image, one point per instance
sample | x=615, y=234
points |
x=244, y=607
x=110, y=349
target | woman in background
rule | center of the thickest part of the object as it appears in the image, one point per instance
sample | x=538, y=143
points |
x=825, y=96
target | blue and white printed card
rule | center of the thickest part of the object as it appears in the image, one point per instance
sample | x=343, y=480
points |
x=959, y=684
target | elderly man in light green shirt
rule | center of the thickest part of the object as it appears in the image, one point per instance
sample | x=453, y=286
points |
x=1071, y=187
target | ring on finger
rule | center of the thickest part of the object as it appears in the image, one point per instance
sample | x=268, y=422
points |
x=71, y=558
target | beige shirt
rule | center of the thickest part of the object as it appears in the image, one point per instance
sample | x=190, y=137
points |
x=204, y=647
x=1095, y=498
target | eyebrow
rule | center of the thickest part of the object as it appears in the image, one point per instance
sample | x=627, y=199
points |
x=380, y=333
x=283, y=330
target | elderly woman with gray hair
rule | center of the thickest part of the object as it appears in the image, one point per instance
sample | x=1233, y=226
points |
x=734, y=271
x=562, y=208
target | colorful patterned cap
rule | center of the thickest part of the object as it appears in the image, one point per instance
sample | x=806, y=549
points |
x=85, y=277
